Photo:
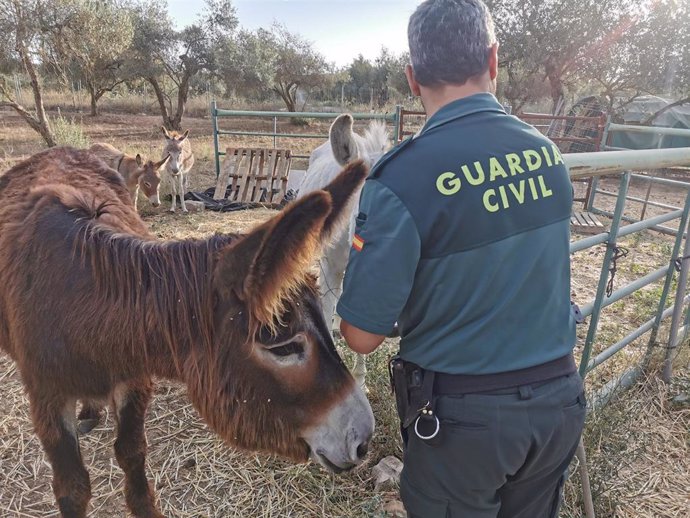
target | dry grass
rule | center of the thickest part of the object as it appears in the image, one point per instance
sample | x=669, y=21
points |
x=639, y=453
x=638, y=446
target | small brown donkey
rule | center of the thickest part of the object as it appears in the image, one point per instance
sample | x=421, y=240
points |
x=235, y=317
x=135, y=172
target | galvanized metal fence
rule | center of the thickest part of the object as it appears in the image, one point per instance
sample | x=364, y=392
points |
x=652, y=181
x=583, y=165
x=217, y=113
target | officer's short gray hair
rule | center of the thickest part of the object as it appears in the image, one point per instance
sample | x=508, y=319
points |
x=450, y=41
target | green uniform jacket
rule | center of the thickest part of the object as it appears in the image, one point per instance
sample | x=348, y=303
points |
x=463, y=239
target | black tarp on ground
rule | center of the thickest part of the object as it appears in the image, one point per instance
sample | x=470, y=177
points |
x=226, y=205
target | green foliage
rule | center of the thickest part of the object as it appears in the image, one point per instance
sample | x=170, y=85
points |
x=618, y=47
x=274, y=60
x=68, y=132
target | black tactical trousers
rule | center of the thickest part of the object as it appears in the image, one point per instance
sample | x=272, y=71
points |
x=500, y=454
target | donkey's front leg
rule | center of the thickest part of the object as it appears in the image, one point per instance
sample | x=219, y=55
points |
x=55, y=424
x=130, y=447
x=173, y=189
x=181, y=190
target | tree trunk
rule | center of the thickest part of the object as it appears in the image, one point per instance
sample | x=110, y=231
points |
x=288, y=94
x=45, y=132
x=94, y=100
x=167, y=122
x=553, y=73
x=182, y=96
x=38, y=122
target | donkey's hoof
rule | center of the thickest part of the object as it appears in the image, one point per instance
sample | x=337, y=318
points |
x=86, y=425
x=172, y=210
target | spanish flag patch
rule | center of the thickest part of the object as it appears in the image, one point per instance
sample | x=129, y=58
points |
x=357, y=243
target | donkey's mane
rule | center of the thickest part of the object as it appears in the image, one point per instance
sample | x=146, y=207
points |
x=169, y=279
x=376, y=139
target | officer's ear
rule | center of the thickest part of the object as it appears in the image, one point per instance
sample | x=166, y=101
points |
x=412, y=81
x=493, y=62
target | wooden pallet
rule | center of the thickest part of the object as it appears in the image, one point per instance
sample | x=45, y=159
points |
x=587, y=223
x=254, y=175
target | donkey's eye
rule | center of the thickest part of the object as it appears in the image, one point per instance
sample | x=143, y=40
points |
x=288, y=352
x=290, y=348
x=147, y=184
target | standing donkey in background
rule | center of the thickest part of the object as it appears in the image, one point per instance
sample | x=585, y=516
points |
x=181, y=161
x=134, y=171
x=325, y=162
x=234, y=317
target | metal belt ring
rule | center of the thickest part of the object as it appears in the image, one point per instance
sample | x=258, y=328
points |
x=427, y=437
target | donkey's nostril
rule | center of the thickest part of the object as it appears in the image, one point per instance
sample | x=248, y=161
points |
x=362, y=450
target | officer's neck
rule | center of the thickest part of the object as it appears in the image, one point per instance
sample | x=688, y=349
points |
x=435, y=98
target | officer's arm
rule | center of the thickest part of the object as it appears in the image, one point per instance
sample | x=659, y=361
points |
x=360, y=341
x=380, y=273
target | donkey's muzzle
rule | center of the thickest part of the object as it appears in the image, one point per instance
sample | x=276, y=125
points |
x=341, y=440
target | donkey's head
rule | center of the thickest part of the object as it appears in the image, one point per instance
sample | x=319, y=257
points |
x=174, y=148
x=275, y=381
x=149, y=178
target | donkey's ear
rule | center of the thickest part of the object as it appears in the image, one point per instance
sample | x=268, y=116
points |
x=161, y=163
x=184, y=136
x=165, y=132
x=266, y=267
x=139, y=160
x=343, y=190
x=342, y=140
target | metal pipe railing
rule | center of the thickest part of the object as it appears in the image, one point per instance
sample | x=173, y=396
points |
x=603, y=275
x=582, y=165
x=639, y=332
x=650, y=130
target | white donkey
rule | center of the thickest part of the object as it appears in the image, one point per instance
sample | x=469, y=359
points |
x=324, y=164
x=181, y=161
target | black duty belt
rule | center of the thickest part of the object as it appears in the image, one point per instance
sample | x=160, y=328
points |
x=417, y=390
x=450, y=384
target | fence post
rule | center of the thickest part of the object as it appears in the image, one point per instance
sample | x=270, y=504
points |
x=603, y=276
x=677, y=311
x=214, y=118
x=275, y=131
x=398, y=123
x=682, y=224
x=595, y=181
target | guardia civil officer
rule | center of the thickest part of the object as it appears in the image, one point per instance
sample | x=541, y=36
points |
x=462, y=238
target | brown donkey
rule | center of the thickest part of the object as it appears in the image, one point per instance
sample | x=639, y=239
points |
x=92, y=307
x=134, y=171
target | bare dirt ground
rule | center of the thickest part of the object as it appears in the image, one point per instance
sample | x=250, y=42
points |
x=638, y=447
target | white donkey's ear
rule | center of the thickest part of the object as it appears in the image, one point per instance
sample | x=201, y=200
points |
x=165, y=132
x=342, y=139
